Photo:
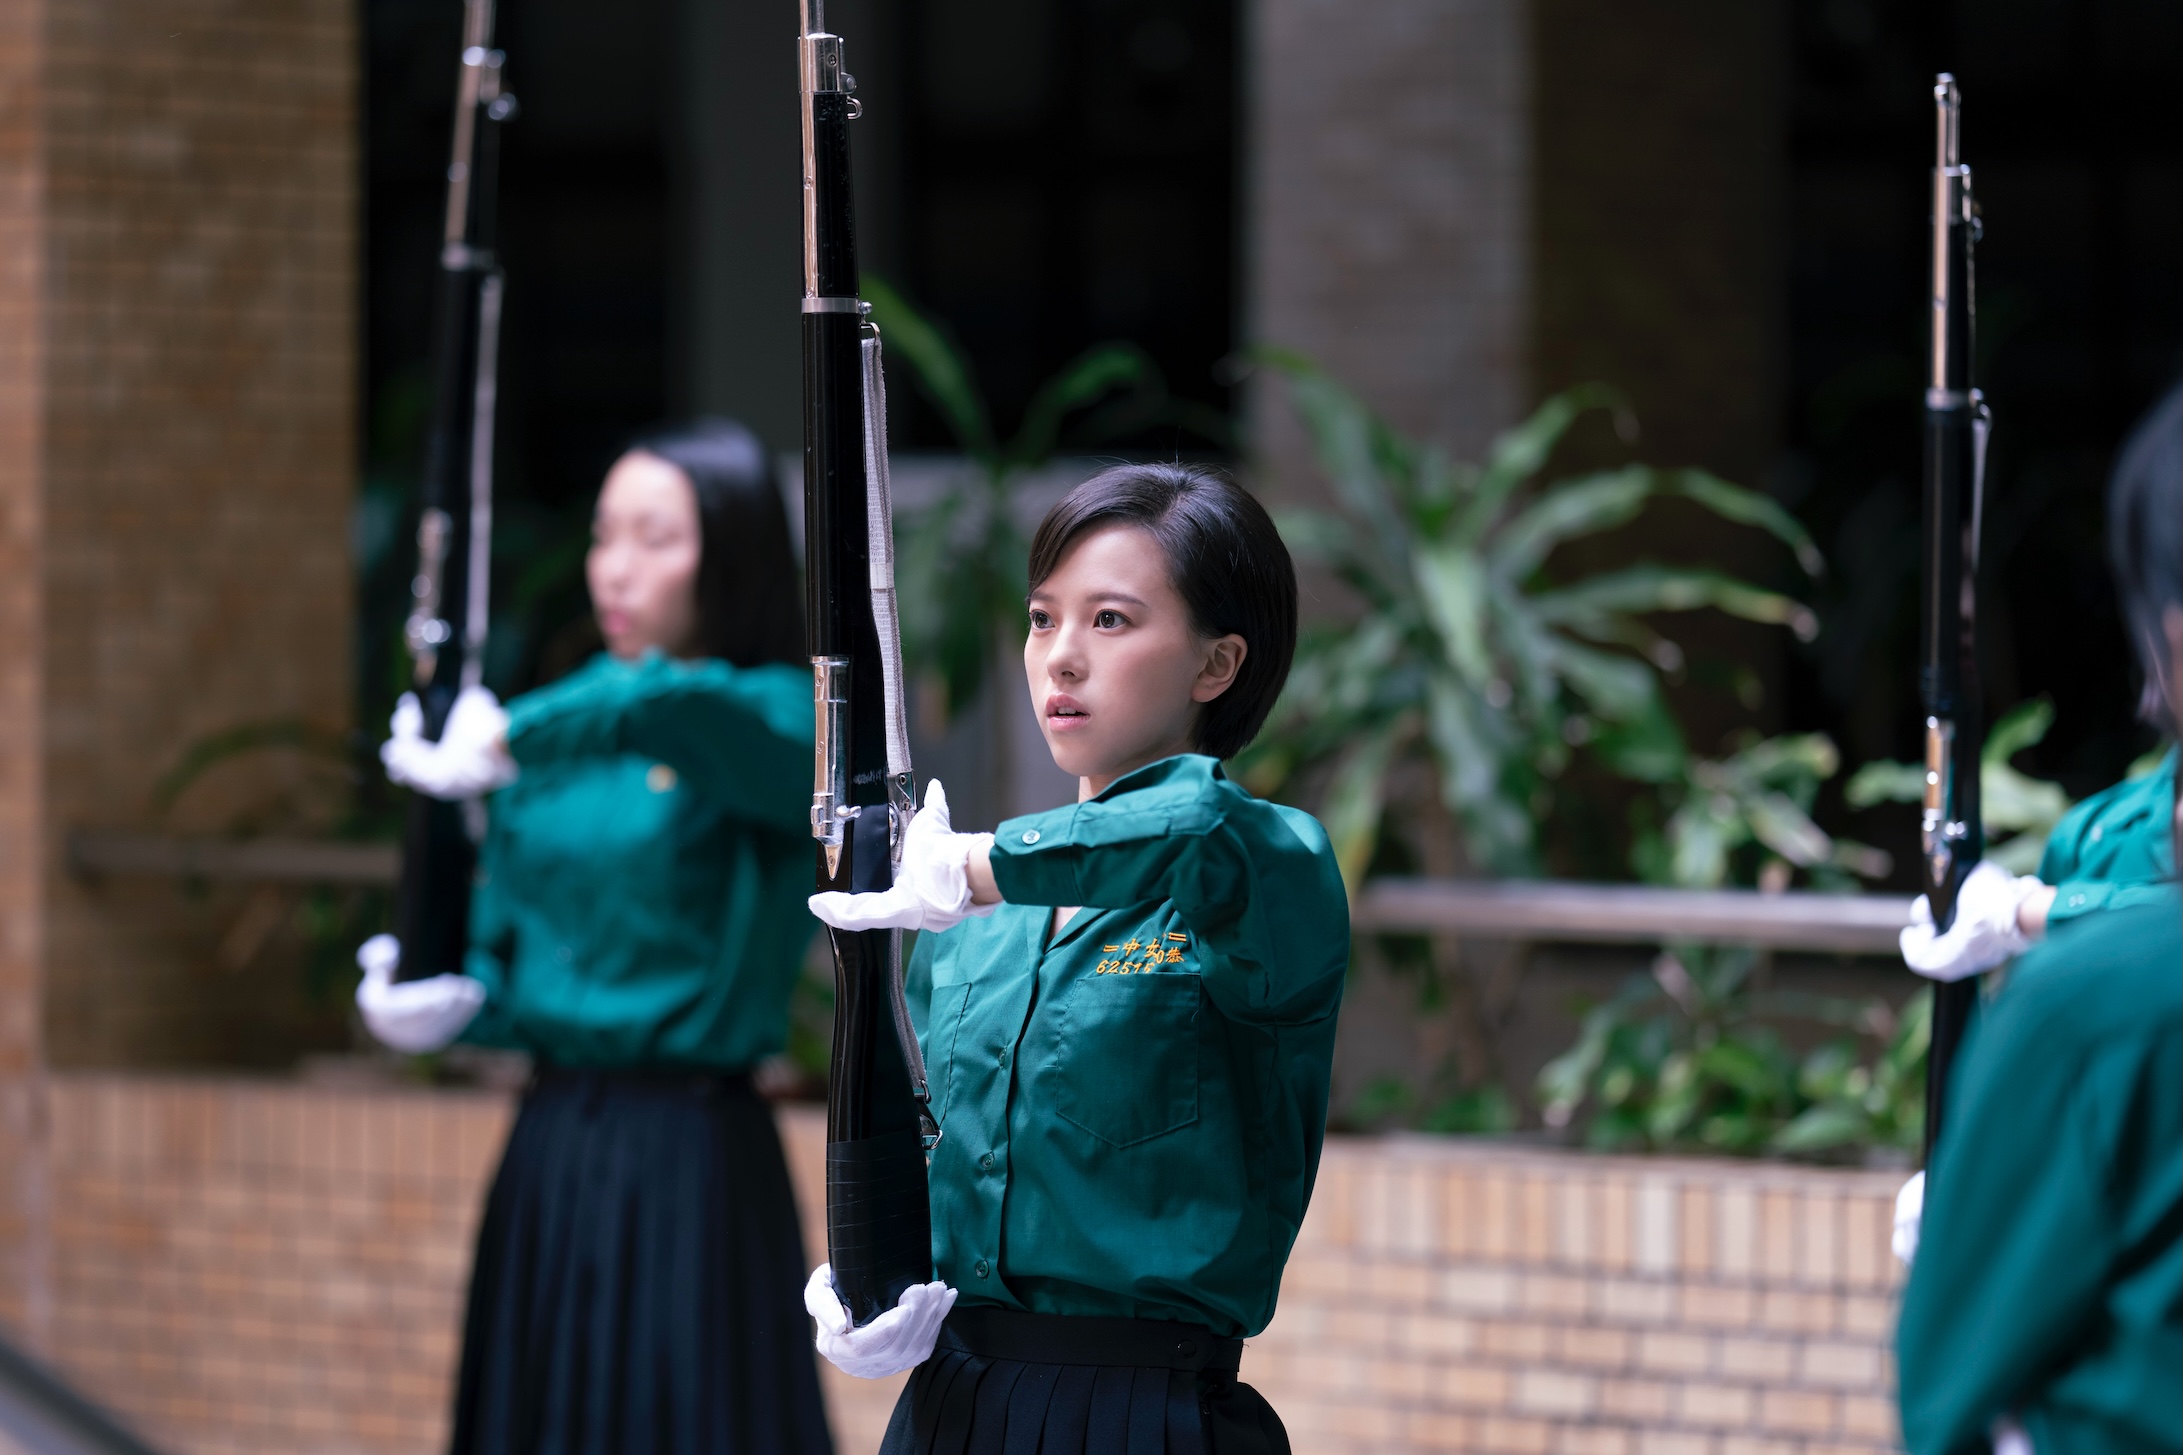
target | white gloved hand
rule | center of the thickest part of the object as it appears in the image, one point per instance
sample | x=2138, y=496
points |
x=898, y=1340
x=470, y=758
x=1985, y=932
x=933, y=890
x=1909, y=1215
x=416, y=1015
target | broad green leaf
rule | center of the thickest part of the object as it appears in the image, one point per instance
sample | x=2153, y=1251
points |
x=1649, y=588
x=1783, y=827
x=1700, y=840
x=941, y=370
x=1618, y=688
x=1347, y=439
x=1454, y=595
x=1747, y=507
x=1084, y=381
x=2022, y=726
x=1807, y=755
x=1355, y=798
x=1647, y=748
x=1521, y=452
x=1885, y=782
x=1832, y=1124
x=2012, y=800
x=1573, y=508
x=1314, y=533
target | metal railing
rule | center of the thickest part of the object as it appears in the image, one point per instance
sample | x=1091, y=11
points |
x=1543, y=911
x=1626, y=914
x=41, y=1415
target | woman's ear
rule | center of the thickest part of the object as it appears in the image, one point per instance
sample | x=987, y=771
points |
x=1223, y=660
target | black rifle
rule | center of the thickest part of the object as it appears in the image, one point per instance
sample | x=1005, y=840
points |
x=1957, y=423
x=455, y=526
x=878, y=1223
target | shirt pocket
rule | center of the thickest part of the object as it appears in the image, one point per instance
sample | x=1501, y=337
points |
x=943, y=1027
x=1128, y=1056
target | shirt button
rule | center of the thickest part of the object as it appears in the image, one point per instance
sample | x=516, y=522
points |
x=2074, y=900
x=1030, y=836
x=659, y=778
x=981, y=1268
x=1004, y=1058
x=985, y=1163
x=564, y=954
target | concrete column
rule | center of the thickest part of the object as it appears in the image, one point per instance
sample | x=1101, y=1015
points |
x=737, y=174
x=1390, y=147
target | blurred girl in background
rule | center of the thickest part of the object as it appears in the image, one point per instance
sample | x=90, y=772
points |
x=637, y=927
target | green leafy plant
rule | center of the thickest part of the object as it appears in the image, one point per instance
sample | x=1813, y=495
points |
x=963, y=559
x=1688, y=1058
x=2012, y=802
x=1469, y=656
x=1746, y=819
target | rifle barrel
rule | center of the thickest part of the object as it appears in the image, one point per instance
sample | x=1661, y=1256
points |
x=454, y=528
x=1951, y=833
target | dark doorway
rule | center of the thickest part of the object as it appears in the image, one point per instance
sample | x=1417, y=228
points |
x=2077, y=159
x=1067, y=177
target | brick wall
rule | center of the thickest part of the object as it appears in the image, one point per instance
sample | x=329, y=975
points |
x=261, y=1267
x=1450, y=1295
x=22, y=856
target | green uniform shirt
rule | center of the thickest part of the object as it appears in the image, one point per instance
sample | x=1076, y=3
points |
x=1131, y=1115
x=2113, y=849
x=640, y=899
x=2049, y=1278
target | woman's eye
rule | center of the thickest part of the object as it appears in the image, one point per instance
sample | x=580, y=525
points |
x=1108, y=619
x=1040, y=621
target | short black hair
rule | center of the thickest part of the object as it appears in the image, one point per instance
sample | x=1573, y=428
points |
x=2145, y=543
x=1225, y=558
x=749, y=600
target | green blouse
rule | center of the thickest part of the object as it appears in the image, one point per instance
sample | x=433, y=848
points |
x=640, y=897
x=2049, y=1278
x=1132, y=1110
x=2112, y=850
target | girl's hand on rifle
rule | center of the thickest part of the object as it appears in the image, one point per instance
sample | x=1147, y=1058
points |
x=898, y=1340
x=936, y=889
x=1989, y=928
x=415, y=1016
x=470, y=758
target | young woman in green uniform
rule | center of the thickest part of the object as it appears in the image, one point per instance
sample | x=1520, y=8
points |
x=637, y=925
x=1127, y=1008
x=2044, y=1311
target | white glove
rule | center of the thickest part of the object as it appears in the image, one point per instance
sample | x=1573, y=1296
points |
x=1984, y=934
x=417, y=1015
x=899, y=1339
x=1909, y=1214
x=933, y=890
x=470, y=758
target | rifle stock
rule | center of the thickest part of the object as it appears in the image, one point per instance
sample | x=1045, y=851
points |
x=454, y=526
x=1951, y=831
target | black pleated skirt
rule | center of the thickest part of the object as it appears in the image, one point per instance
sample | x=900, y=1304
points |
x=639, y=1276
x=1007, y=1383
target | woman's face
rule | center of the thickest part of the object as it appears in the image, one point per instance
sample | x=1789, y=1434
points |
x=642, y=569
x=1116, y=670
